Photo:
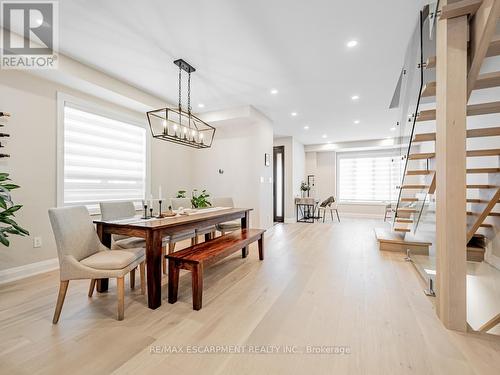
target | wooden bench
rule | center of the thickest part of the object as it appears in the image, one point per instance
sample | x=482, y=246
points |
x=197, y=257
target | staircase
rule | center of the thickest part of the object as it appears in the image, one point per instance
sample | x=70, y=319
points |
x=418, y=132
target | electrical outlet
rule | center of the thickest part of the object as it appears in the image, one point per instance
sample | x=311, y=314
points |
x=37, y=242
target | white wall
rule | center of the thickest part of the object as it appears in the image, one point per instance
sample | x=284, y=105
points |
x=32, y=165
x=243, y=137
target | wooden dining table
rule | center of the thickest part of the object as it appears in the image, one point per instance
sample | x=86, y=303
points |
x=154, y=230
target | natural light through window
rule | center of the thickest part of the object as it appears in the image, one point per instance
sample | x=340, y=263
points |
x=367, y=177
x=104, y=159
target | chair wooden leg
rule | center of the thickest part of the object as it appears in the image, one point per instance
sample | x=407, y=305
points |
x=132, y=279
x=197, y=286
x=173, y=281
x=120, y=288
x=338, y=217
x=142, y=271
x=171, y=247
x=324, y=214
x=261, y=247
x=331, y=214
x=208, y=236
x=164, y=260
x=63, y=287
x=222, y=233
x=194, y=240
x=92, y=287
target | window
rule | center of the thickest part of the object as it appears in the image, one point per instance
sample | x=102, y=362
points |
x=368, y=177
x=103, y=158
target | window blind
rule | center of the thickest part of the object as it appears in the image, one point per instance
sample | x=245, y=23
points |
x=104, y=159
x=368, y=177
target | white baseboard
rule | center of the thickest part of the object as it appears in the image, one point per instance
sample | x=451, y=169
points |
x=27, y=270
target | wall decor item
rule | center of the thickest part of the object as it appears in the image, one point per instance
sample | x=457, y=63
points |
x=178, y=125
x=267, y=160
x=4, y=115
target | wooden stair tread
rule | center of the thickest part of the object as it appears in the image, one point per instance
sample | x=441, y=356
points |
x=474, y=200
x=479, y=186
x=485, y=152
x=494, y=48
x=487, y=80
x=423, y=155
x=407, y=210
x=396, y=238
x=483, y=170
x=484, y=81
x=403, y=220
x=478, y=213
x=409, y=199
x=430, y=63
x=412, y=186
x=406, y=230
x=429, y=89
x=484, y=225
x=472, y=110
x=419, y=172
x=471, y=133
x=460, y=8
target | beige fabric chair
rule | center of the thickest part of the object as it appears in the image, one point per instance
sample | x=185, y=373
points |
x=83, y=256
x=228, y=226
x=125, y=210
x=178, y=203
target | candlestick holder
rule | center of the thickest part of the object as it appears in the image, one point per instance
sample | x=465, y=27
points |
x=151, y=212
x=160, y=215
x=145, y=217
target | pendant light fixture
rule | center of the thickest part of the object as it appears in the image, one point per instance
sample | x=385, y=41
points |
x=177, y=125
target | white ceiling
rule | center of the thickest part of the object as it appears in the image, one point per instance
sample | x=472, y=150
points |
x=243, y=48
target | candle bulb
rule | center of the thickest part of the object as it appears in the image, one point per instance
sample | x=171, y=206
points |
x=164, y=126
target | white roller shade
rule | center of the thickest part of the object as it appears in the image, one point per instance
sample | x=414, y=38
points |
x=368, y=177
x=104, y=159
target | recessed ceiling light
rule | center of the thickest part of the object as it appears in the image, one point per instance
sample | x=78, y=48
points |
x=294, y=114
x=356, y=122
x=324, y=136
x=393, y=129
x=352, y=43
x=274, y=91
x=355, y=97
x=329, y=142
x=306, y=127
x=201, y=105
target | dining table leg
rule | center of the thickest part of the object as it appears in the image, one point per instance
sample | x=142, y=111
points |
x=102, y=284
x=153, y=264
x=245, y=224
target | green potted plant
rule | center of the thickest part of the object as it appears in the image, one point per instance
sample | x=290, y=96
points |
x=200, y=200
x=8, y=225
x=304, y=188
x=181, y=194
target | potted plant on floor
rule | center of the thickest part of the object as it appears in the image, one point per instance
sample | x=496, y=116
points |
x=7, y=211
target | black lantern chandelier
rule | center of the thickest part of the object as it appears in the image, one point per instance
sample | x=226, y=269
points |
x=178, y=126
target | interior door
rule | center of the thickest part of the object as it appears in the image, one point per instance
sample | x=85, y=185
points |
x=279, y=183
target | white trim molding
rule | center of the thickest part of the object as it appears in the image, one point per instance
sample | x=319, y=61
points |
x=27, y=270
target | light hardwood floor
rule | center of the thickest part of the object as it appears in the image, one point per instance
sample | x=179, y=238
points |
x=320, y=284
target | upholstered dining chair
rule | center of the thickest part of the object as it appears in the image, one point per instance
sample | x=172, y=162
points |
x=178, y=203
x=328, y=204
x=82, y=256
x=125, y=210
x=228, y=226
